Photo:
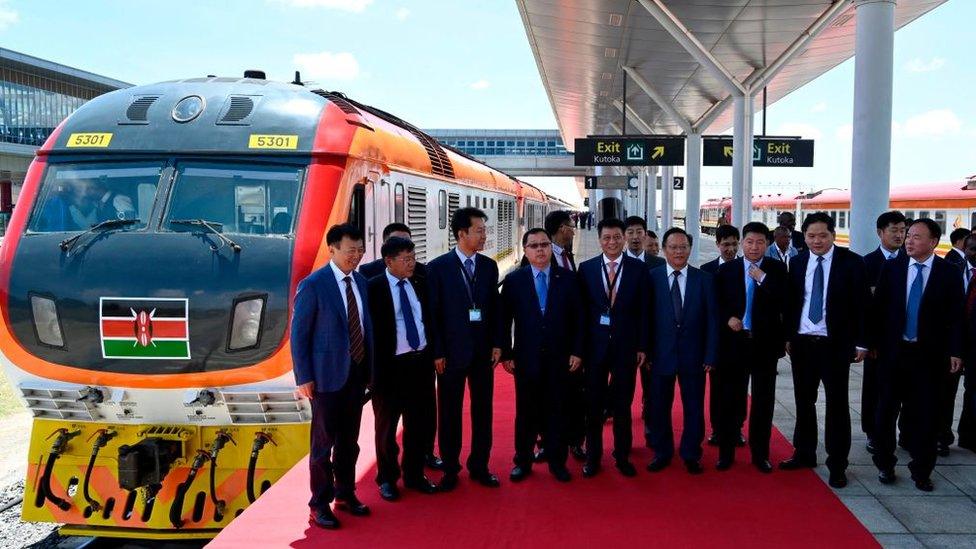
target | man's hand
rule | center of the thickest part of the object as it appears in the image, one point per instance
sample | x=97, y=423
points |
x=955, y=364
x=509, y=366
x=574, y=363
x=756, y=273
x=496, y=355
x=709, y=367
x=860, y=354
x=641, y=358
x=306, y=390
x=440, y=364
x=735, y=324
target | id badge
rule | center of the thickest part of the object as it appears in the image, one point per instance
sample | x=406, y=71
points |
x=474, y=315
x=604, y=319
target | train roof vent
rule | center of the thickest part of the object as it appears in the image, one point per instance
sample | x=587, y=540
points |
x=339, y=100
x=138, y=110
x=440, y=164
x=236, y=110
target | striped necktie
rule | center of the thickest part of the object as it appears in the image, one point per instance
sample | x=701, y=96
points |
x=357, y=347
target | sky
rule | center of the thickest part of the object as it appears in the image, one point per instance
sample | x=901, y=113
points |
x=467, y=64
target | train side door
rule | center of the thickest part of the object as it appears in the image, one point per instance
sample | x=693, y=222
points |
x=378, y=210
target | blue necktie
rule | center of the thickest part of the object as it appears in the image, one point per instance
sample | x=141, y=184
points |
x=750, y=292
x=541, y=289
x=676, y=304
x=817, y=294
x=413, y=337
x=469, y=265
x=914, y=303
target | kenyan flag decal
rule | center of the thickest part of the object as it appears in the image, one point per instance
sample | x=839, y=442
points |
x=145, y=328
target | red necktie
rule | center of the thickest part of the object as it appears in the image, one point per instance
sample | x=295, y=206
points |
x=565, y=256
x=357, y=347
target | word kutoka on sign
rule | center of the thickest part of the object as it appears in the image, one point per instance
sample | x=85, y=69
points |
x=784, y=152
x=630, y=151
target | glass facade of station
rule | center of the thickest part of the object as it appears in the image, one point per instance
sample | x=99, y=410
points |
x=503, y=142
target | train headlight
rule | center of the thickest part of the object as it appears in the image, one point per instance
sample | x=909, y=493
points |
x=188, y=108
x=46, y=322
x=245, y=328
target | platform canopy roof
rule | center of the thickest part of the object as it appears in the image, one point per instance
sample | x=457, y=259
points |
x=581, y=47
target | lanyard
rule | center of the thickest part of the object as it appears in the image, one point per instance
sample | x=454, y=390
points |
x=611, y=284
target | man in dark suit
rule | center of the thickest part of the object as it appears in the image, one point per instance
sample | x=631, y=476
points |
x=828, y=295
x=752, y=294
x=684, y=346
x=917, y=331
x=891, y=232
x=542, y=302
x=377, y=268
x=403, y=381
x=636, y=236
x=331, y=349
x=788, y=220
x=727, y=241
x=957, y=253
x=967, y=420
x=466, y=339
x=614, y=290
x=652, y=245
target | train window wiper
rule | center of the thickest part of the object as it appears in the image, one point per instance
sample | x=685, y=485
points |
x=210, y=226
x=67, y=243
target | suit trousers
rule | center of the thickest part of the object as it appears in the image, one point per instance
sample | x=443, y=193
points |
x=335, y=440
x=715, y=409
x=967, y=419
x=869, y=399
x=479, y=376
x=819, y=360
x=619, y=395
x=407, y=391
x=947, y=407
x=692, y=386
x=747, y=359
x=539, y=409
x=574, y=408
x=914, y=378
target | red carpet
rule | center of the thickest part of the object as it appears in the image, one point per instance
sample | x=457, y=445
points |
x=740, y=507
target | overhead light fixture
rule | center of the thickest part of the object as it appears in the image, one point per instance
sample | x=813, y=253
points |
x=616, y=19
x=610, y=53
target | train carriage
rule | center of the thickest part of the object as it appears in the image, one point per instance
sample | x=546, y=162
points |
x=147, y=277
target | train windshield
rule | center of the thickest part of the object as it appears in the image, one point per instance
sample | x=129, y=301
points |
x=236, y=198
x=74, y=197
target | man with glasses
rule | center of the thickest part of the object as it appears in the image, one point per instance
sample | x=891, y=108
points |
x=541, y=301
x=403, y=379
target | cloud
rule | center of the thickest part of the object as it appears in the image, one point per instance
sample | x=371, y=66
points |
x=402, y=14
x=355, y=6
x=806, y=131
x=8, y=16
x=934, y=123
x=819, y=107
x=844, y=132
x=480, y=84
x=327, y=65
x=917, y=65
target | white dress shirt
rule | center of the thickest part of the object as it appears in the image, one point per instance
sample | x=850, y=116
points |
x=889, y=254
x=806, y=326
x=402, y=345
x=620, y=272
x=340, y=280
x=913, y=272
x=682, y=280
x=639, y=257
x=745, y=266
x=557, y=252
x=967, y=275
x=463, y=258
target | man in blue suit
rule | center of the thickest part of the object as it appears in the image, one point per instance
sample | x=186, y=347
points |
x=542, y=301
x=331, y=349
x=466, y=344
x=614, y=289
x=684, y=346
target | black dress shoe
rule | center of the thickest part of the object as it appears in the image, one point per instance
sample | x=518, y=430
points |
x=324, y=518
x=561, y=474
x=590, y=470
x=577, y=452
x=423, y=485
x=658, y=464
x=433, y=462
x=795, y=462
x=763, y=465
x=924, y=484
x=943, y=450
x=870, y=447
x=694, y=467
x=742, y=440
x=626, y=468
x=837, y=480
x=519, y=473
x=352, y=505
x=486, y=479
x=448, y=482
x=389, y=491
x=887, y=476
x=713, y=440
x=723, y=464
x=539, y=456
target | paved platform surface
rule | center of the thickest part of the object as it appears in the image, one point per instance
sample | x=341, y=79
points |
x=897, y=515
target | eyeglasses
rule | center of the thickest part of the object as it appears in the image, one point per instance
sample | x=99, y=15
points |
x=406, y=259
x=538, y=245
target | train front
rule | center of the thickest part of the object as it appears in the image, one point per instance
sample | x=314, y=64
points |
x=145, y=286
